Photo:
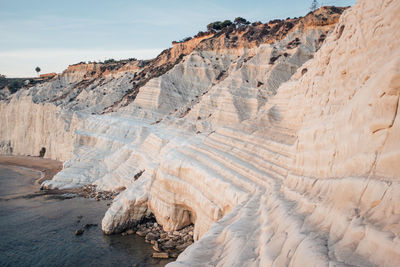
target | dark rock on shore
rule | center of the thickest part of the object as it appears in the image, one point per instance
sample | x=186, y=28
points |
x=172, y=243
x=86, y=226
x=89, y=191
x=79, y=231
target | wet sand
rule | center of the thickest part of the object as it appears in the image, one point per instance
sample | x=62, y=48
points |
x=48, y=167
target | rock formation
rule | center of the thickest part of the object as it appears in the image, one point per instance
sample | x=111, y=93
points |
x=278, y=141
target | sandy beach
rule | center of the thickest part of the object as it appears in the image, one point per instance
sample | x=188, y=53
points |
x=48, y=167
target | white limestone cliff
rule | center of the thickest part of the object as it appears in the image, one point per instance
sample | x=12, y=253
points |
x=27, y=127
x=279, y=154
x=337, y=204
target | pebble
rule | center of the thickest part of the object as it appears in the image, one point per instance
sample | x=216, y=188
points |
x=79, y=231
x=152, y=236
x=160, y=255
x=169, y=244
x=163, y=235
x=130, y=232
x=181, y=247
x=174, y=255
x=187, y=238
x=156, y=247
x=139, y=233
x=170, y=235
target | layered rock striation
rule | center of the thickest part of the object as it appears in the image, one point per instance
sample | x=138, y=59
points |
x=278, y=141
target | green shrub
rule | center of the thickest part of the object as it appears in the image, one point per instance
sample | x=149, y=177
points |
x=14, y=86
x=108, y=61
x=214, y=26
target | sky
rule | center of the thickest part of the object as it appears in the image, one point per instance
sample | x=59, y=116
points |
x=54, y=34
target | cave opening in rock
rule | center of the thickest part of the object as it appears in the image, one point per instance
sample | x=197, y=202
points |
x=42, y=152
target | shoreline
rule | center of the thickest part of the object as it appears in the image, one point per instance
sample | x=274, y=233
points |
x=47, y=167
x=165, y=245
x=51, y=217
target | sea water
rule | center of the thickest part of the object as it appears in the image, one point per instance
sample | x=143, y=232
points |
x=37, y=229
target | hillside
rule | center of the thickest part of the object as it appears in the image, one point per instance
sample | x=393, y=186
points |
x=278, y=141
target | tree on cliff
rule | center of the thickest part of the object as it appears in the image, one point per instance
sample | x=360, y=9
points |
x=239, y=21
x=314, y=5
x=214, y=26
x=37, y=70
x=226, y=23
x=218, y=25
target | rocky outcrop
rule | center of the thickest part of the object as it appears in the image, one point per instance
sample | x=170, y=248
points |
x=276, y=141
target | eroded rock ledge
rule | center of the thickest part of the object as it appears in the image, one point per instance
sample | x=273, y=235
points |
x=293, y=184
